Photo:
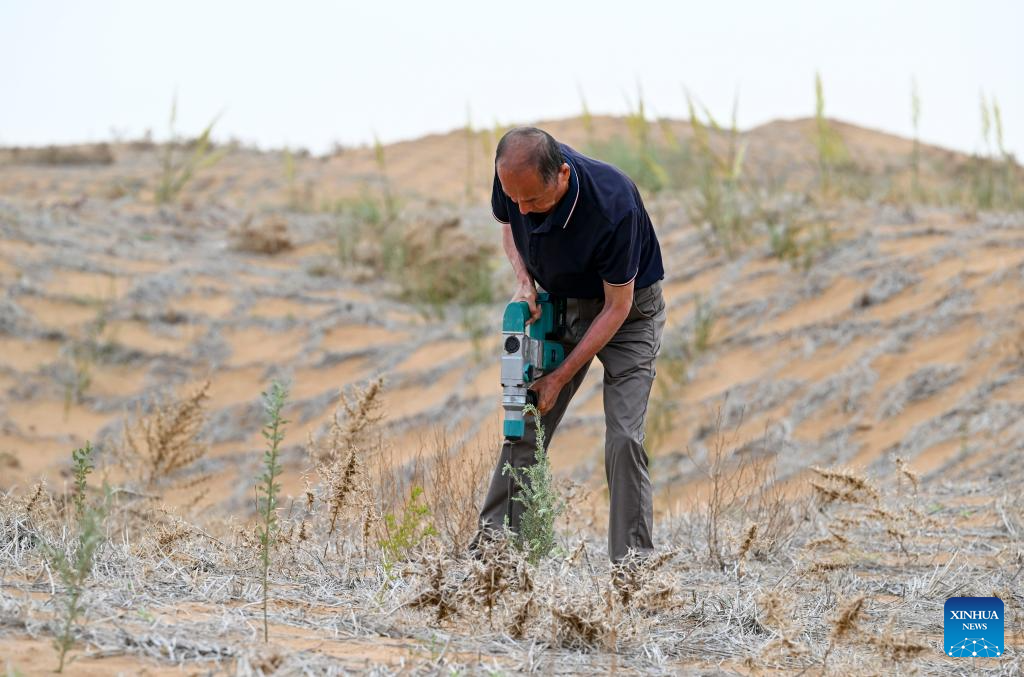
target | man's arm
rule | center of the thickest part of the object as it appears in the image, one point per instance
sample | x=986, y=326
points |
x=618, y=300
x=525, y=290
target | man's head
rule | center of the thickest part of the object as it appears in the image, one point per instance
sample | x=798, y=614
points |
x=531, y=169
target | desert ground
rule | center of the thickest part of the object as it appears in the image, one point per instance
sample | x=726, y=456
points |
x=835, y=433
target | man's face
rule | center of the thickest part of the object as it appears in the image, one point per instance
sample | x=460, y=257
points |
x=527, y=189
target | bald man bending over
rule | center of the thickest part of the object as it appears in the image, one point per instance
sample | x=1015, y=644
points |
x=578, y=228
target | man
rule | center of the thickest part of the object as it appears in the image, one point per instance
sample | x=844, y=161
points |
x=579, y=229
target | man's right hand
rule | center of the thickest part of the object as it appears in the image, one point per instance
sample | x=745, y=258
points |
x=528, y=292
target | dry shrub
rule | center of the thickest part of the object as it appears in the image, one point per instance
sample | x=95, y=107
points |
x=744, y=490
x=340, y=460
x=580, y=627
x=453, y=482
x=265, y=234
x=898, y=647
x=904, y=472
x=165, y=441
x=863, y=504
x=89, y=154
x=633, y=575
x=843, y=486
x=493, y=573
x=844, y=624
x=778, y=617
x=443, y=263
x=438, y=595
x=521, y=618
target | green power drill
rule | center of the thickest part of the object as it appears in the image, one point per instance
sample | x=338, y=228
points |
x=529, y=353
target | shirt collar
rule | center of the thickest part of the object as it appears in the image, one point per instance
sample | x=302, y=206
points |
x=566, y=206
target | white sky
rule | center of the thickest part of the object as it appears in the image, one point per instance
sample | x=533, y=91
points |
x=306, y=73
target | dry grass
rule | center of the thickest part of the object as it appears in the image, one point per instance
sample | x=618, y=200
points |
x=673, y=615
x=160, y=444
x=743, y=491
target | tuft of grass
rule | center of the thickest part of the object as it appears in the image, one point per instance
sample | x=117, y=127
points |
x=540, y=500
x=177, y=172
x=387, y=194
x=471, y=152
x=832, y=153
x=650, y=174
x=268, y=487
x=74, y=570
x=799, y=243
x=586, y=118
x=915, y=154
x=718, y=207
x=990, y=187
x=83, y=352
x=299, y=200
x=703, y=322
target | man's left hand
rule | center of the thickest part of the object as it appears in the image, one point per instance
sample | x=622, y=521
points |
x=547, y=388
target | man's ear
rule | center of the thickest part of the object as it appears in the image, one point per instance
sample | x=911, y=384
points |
x=563, y=172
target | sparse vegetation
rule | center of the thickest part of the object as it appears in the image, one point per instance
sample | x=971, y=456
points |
x=299, y=199
x=406, y=532
x=774, y=557
x=832, y=153
x=719, y=208
x=799, y=242
x=539, y=498
x=268, y=488
x=915, y=154
x=74, y=569
x=263, y=234
x=177, y=172
x=994, y=172
x=84, y=349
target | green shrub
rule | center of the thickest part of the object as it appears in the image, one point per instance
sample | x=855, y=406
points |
x=406, y=532
x=540, y=500
x=82, y=465
x=74, y=570
x=268, y=488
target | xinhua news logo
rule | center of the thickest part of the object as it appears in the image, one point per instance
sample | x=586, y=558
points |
x=973, y=627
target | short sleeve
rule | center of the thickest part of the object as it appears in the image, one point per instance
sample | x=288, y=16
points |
x=499, y=203
x=618, y=259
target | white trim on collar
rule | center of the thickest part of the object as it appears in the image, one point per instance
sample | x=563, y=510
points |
x=572, y=168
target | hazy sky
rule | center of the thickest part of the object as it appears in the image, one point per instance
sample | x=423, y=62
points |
x=308, y=73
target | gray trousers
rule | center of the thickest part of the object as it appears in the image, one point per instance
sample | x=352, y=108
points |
x=628, y=361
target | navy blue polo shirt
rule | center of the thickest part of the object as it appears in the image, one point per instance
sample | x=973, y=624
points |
x=598, y=232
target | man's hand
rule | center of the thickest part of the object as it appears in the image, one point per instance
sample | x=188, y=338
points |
x=547, y=388
x=528, y=292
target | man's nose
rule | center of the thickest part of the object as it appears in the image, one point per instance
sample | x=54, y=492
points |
x=523, y=210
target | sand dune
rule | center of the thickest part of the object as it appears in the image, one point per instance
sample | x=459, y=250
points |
x=906, y=338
